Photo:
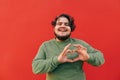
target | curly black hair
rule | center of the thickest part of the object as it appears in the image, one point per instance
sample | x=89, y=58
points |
x=70, y=19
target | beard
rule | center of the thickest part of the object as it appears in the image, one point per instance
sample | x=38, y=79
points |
x=62, y=38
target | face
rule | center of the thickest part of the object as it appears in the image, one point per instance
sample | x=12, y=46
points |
x=62, y=29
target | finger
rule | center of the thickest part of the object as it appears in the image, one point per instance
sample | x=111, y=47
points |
x=75, y=50
x=69, y=60
x=77, y=45
x=84, y=48
x=67, y=51
x=76, y=59
x=66, y=48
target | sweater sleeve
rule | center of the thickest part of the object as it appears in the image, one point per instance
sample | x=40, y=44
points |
x=42, y=65
x=96, y=56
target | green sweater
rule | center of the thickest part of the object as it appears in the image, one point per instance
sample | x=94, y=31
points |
x=46, y=60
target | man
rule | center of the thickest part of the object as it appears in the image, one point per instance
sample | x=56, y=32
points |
x=62, y=58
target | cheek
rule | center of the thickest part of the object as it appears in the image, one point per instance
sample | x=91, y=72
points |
x=69, y=29
x=55, y=28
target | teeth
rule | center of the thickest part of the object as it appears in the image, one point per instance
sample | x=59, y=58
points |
x=62, y=29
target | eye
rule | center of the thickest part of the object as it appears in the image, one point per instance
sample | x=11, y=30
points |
x=59, y=23
x=66, y=24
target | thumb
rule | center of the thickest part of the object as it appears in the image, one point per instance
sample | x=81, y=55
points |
x=69, y=60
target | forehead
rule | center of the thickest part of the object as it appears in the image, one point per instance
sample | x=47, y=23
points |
x=62, y=19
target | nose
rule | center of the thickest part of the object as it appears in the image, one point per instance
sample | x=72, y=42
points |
x=62, y=24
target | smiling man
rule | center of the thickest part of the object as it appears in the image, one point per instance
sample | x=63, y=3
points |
x=62, y=57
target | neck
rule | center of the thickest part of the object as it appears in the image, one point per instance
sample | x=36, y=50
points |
x=60, y=40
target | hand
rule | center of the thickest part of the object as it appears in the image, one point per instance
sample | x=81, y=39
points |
x=63, y=56
x=82, y=53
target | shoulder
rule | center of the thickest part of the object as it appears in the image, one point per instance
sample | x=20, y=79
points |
x=48, y=42
x=79, y=41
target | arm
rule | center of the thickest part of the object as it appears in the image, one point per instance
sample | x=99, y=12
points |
x=42, y=65
x=88, y=54
x=96, y=57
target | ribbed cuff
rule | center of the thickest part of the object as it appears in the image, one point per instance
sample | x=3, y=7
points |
x=55, y=60
x=90, y=60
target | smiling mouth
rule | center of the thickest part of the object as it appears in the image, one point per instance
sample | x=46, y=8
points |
x=62, y=29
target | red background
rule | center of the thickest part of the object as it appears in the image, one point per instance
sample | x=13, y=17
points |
x=25, y=24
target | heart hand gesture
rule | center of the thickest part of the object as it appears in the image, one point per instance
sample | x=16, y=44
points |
x=63, y=56
x=82, y=53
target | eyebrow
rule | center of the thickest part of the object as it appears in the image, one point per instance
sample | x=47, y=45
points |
x=63, y=22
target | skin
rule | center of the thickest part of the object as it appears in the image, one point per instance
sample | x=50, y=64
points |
x=62, y=28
